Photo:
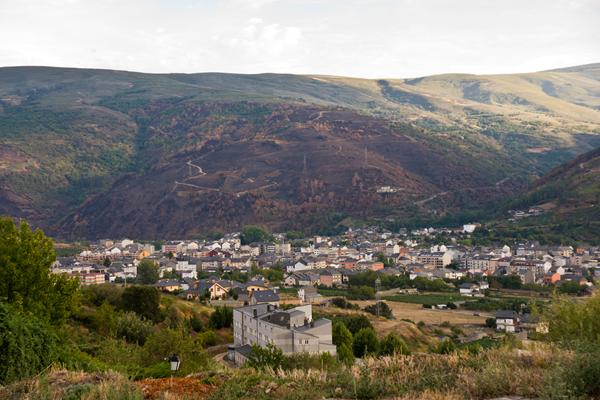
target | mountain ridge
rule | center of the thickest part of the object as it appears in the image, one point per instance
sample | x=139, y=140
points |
x=72, y=139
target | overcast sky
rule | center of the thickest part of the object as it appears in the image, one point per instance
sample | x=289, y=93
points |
x=368, y=38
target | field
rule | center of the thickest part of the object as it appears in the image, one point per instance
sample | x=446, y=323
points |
x=428, y=298
x=416, y=313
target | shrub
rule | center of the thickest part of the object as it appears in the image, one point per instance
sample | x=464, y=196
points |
x=265, y=357
x=222, y=317
x=354, y=323
x=28, y=345
x=341, y=335
x=446, y=346
x=365, y=343
x=143, y=300
x=345, y=354
x=341, y=302
x=132, y=328
x=380, y=308
x=196, y=323
x=208, y=338
x=392, y=344
x=361, y=293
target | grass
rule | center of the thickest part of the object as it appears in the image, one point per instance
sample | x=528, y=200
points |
x=427, y=299
x=535, y=372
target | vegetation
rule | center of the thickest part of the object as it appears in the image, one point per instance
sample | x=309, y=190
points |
x=254, y=234
x=25, y=278
x=147, y=272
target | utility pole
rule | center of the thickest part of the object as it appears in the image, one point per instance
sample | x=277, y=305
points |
x=366, y=157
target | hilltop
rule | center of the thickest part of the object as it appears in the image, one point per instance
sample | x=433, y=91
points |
x=90, y=153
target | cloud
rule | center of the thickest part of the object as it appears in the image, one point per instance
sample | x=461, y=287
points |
x=375, y=38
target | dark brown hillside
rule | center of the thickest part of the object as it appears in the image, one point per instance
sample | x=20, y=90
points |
x=280, y=165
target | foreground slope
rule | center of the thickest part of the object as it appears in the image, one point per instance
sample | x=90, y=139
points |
x=93, y=153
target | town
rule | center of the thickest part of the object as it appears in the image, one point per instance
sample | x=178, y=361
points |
x=273, y=280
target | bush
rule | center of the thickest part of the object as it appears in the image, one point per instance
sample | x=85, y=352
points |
x=28, y=345
x=380, y=308
x=354, y=323
x=196, y=323
x=208, y=338
x=222, y=317
x=361, y=293
x=490, y=322
x=143, y=300
x=341, y=302
x=365, y=343
x=392, y=344
x=446, y=346
x=265, y=357
x=341, y=335
x=584, y=375
x=132, y=328
x=345, y=354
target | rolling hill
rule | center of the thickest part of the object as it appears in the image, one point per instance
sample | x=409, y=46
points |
x=89, y=153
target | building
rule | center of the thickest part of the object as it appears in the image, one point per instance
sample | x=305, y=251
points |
x=292, y=331
x=91, y=278
x=507, y=321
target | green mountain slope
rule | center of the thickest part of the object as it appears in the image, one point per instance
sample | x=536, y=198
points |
x=567, y=200
x=77, y=145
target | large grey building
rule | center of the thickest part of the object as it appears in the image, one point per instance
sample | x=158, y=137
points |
x=293, y=330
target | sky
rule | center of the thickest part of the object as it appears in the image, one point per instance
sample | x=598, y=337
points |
x=363, y=38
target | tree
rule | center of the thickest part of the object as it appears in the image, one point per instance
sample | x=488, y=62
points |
x=106, y=262
x=381, y=309
x=143, y=300
x=253, y=234
x=222, y=317
x=361, y=293
x=446, y=346
x=345, y=355
x=264, y=357
x=365, y=343
x=341, y=335
x=26, y=280
x=392, y=344
x=147, y=272
x=28, y=345
x=105, y=319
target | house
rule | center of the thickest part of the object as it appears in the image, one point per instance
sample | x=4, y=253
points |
x=330, y=278
x=507, y=321
x=308, y=294
x=470, y=290
x=168, y=286
x=264, y=296
x=301, y=265
x=220, y=289
x=533, y=323
x=91, y=278
x=435, y=259
x=292, y=331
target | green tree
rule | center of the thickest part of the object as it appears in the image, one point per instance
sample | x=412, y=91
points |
x=341, y=335
x=254, y=234
x=381, y=309
x=222, y=317
x=264, y=357
x=446, y=346
x=147, y=272
x=27, y=345
x=392, y=344
x=143, y=300
x=26, y=280
x=345, y=355
x=365, y=343
x=105, y=320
